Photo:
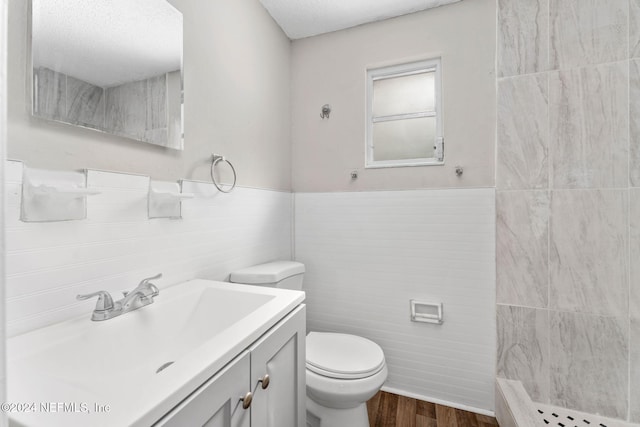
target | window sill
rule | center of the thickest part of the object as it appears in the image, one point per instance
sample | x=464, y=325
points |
x=394, y=164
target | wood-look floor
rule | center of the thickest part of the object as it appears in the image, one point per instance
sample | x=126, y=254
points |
x=390, y=410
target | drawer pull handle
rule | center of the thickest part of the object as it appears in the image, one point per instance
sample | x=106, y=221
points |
x=246, y=400
x=265, y=381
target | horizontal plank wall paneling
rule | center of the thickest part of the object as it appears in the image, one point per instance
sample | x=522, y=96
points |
x=48, y=264
x=368, y=253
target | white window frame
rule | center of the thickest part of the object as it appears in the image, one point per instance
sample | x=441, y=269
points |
x=399, y=71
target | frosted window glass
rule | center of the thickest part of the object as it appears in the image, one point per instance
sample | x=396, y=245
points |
x=402, y=95
x=404, y=139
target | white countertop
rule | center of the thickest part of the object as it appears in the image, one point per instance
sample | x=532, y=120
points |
x=81, y=372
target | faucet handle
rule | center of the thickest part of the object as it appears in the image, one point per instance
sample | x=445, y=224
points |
x=154, y=288
x=105, y=302
x=145, y=281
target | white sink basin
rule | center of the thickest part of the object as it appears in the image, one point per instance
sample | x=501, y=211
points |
x=140, y=364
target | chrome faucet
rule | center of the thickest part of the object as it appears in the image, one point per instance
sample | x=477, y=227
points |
x=140, y=296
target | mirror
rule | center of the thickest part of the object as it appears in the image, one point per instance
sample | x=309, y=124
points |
x=110, y=65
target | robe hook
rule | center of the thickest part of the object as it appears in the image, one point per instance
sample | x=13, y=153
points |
x=326, y=110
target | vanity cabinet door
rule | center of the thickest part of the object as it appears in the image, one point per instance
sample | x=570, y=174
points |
x=279, y=399
x=217, y=402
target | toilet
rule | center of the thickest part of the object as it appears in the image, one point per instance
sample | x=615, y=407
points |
x=343, y=371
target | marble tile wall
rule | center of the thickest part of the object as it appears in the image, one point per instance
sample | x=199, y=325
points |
x=588, y=128
x=522, y=247
x=523, y=335
x=51, y=88
x=523, y=36
x=634, y=122
x=588, y=253
x=590, y=369
x=634, y=378
x=523, y=118
x=568, y=202
x=584, y=32
x=139, y=110
x=85, y=104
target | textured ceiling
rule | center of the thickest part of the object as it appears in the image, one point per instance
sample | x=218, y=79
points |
x=304, y=18
x=107, y=42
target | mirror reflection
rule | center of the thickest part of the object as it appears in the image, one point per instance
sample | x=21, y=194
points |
x=110, y=65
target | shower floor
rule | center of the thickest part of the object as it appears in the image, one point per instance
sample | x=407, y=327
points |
x=514, y=407
x=553, y=416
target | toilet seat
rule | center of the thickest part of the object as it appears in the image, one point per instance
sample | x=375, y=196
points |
x=343, y=356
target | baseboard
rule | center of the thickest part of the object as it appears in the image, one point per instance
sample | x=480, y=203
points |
x=438, y=401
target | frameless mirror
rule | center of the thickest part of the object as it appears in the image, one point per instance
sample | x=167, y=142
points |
x=110, y=65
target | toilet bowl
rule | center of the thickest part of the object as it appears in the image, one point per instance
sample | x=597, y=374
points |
x=342, y=371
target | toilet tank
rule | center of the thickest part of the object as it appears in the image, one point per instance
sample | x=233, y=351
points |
x=276, y=274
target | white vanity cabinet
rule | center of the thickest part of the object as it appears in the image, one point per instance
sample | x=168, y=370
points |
x=217, y=402
x=278, y=374
x=272, y=370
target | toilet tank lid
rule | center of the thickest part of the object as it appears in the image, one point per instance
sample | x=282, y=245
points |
x=271, y=272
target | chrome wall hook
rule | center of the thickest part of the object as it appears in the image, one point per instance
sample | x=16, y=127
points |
x=326, y=110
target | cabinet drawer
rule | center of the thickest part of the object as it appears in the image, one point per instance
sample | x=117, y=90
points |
x=217, y=402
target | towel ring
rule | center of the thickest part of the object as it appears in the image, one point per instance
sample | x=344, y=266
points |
x=217, y=159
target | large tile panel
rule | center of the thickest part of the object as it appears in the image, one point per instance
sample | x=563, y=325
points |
x=85, y=104
x=126, y=109
x=587, y=32
x=634, y=386
x=522, y=251
x=634, y=245
x=50, y=99
x=523, y=348
x=156, y=102
x=589, y=363
x=634, y=28
x=634, y=123
x=523, y=35
x=588, y=114
x=589, y=251
x=523, y=132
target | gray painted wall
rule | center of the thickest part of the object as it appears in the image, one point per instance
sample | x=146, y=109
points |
x=236, y=103
x=331, y=69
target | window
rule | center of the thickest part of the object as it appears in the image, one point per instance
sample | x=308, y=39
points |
x=404, y=123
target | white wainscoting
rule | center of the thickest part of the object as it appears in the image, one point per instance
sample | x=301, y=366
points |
x=368, y=253
x=48, y=264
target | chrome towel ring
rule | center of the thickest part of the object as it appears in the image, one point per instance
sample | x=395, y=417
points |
x=214, y=161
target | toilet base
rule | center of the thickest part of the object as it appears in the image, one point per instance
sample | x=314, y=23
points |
x=321, y=416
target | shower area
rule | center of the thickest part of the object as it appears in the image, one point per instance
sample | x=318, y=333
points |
x=568, y=209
